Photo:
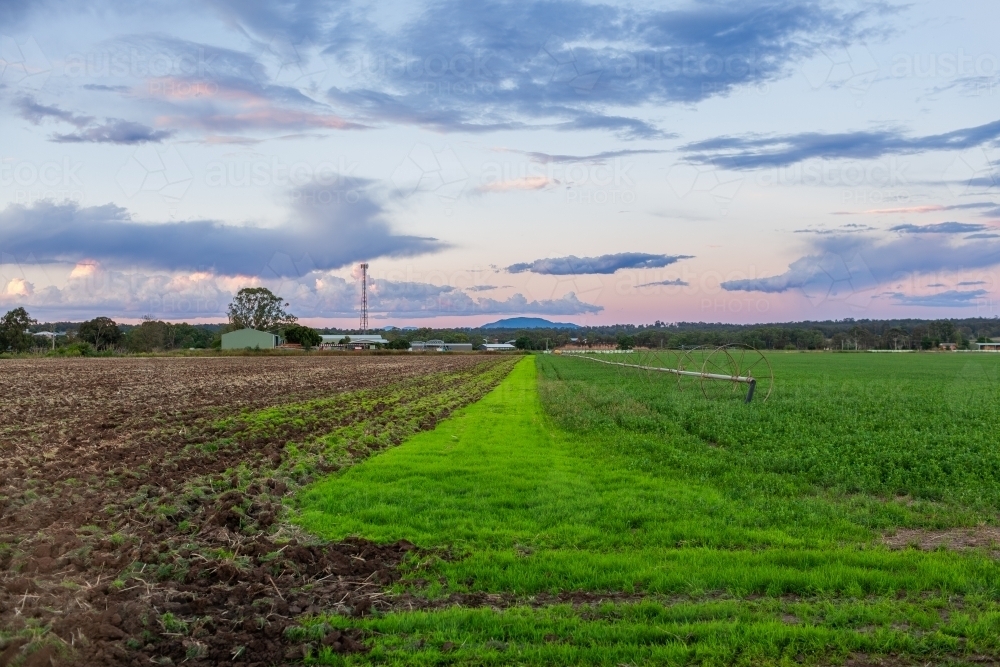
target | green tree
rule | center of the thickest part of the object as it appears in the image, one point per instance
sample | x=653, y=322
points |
x=523, y=343
x=101, y=332
x=259, y=308
x=894, y=338
x=151, y=335
x=625, y=342
x=13, y=328
x=398, y=344
x=304, y=336
x=188, y=335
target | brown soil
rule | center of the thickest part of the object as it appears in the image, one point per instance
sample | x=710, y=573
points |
x=987, y=537
x=862, y=660
x=133, y=541
x=409, y=602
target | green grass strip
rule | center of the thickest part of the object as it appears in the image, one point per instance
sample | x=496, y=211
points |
x=526, y=507
x=722, y=632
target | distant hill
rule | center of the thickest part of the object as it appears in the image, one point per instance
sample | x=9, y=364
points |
x=528, y=323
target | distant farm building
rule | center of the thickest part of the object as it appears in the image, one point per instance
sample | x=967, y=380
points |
x=992, y=346
x=351, y=342
x=498, y=347
x=439, y=346
x=250, y=338
x=593, y=347
x=948, y=346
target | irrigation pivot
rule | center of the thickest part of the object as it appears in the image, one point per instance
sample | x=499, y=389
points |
x=719, y=372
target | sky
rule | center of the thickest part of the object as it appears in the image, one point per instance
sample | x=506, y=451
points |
x=593, y=162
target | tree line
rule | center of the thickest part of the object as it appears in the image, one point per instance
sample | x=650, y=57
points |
x=255, y=308
x=258, y=308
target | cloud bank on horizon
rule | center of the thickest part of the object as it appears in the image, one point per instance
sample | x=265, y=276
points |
x=158, y=157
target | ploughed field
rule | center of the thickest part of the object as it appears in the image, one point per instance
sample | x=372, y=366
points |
x=142, y=500
x=498, y=510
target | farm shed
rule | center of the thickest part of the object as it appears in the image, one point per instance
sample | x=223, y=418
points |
x=244, y=338
x=354, y=341
x=439, y=346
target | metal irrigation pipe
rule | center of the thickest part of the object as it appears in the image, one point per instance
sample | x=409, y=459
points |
x=746, y=379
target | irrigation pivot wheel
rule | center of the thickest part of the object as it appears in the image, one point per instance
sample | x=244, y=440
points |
x=721, y=364
x=689, y=360
x=662, y=358
x=751, y=362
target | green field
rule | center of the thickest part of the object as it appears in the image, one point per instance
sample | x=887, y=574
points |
x=708, y=532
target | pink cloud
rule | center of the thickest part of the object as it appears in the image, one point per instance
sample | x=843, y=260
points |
x=526, y=183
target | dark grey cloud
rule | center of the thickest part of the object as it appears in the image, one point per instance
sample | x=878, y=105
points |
x=858, y=263
x=666, y=283
x=490, y=66
x=949, y=299
x=988, y=181
x=940, y=228
x=485, y=288
x=495, y=65
x=842, y=229
x=754, y=151
x=573, y=265
x=200, y=87
x=325, y=229
x=971, y=283
x=105, y=89
x=596, y=158
x=114, y=131
x=970, y=205
x=29, y=109
x=983, y=236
